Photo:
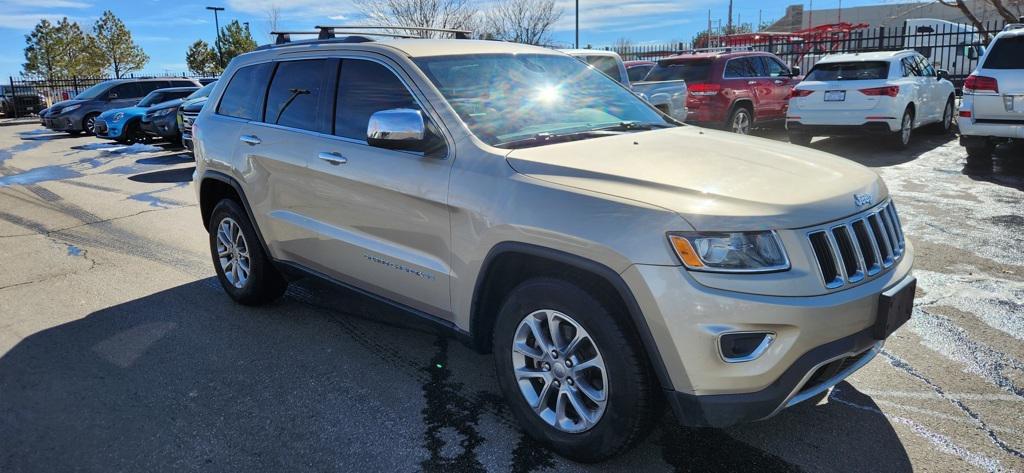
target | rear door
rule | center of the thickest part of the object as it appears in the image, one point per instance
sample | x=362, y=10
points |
x=743, y=78
x=1004, y=62
x=382, y=215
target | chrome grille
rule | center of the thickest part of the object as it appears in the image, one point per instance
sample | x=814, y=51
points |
x=859, y=248
x=187, y=119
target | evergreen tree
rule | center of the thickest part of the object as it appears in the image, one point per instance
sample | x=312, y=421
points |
x=234, y=39
x=114, y=42
x=202, y=59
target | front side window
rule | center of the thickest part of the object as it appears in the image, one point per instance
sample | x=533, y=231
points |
x=243, y=97
x=93, y=92
x=204, y=91
x=860, y=70
x=925, y=66
x=910, y=68
x=507, y=97
x=366, y=87
x=297, y=97
x=776, y=68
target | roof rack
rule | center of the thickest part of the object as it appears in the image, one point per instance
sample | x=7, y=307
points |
x=1014, y=26
x=723, y=49
x=458, y=34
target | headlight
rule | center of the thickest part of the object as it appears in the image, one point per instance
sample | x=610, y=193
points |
x=70, y=108
x=164, y=112
x=118, y=116
x=736, y=252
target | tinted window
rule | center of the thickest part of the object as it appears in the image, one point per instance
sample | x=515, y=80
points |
x=203, y=92
x=151, y=85
x=925, y=66
x=910, y=67
x=296, y=98
x=127, y=91
x=1007, y=53
x=605, y=64
x=637, y=73
x=93, y=92
x=869, y=70
x=243, y=97
x=690, y=71
x=742, y=67
x=182, y=83
x=776, y=68
x=366, y=87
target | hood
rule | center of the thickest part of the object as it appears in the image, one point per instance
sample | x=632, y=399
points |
x=175, y=103
x=713, y=179
x=64, y=103
x=194, y=105
x=128, y=112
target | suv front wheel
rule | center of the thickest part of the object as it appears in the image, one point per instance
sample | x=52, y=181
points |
x=243, y=268
x=571, y=370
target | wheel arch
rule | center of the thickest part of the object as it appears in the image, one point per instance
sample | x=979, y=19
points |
x=215, y=186
x=509, y=263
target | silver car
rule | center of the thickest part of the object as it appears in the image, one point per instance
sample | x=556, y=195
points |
x=539, y=210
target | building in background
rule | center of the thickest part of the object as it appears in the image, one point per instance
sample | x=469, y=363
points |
x=888, y=15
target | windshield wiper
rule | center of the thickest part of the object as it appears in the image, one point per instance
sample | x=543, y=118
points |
x=633, y=125
x=544, y=138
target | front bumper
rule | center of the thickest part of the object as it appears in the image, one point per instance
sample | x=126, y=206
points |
x=63, y=123
x=105, y=129
x=161, y=126
x=687, y=318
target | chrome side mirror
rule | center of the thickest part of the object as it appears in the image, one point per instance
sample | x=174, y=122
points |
x=397, y=128
x=942, y=74
x=795, y=71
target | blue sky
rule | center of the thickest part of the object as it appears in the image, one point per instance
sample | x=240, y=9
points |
x=165, y=28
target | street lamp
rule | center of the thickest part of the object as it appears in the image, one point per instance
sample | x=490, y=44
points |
x=216, y=24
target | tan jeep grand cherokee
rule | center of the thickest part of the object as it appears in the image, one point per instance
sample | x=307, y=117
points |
x=609, y=257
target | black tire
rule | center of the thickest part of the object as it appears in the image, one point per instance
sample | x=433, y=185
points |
x=631, y=402
x=901, y=138
x=264, y=283
x=946, y=124
x=88, y=123
x=801, y=139
x=740, y=113
x=981, y=151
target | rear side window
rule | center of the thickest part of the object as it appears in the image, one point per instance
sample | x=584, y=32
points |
x=742, y=67
x=151, y=85
x=690, y=71
x=605, y=64
x=867, y=70
x=296, y=98
x=637, y=73
x=182, y=83
x=127, y=91
x=243, y=97
x=366, y=87
x=1007, y=53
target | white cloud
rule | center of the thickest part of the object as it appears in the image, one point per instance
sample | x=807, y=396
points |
x=614, y=16
x=46, y=4
x=27, y=21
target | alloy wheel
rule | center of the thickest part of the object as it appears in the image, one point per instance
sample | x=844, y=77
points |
x=947, y=116
x=560, y=371
x=741, y=123
x=906, y=128
x=233, y=252
x=90, y=124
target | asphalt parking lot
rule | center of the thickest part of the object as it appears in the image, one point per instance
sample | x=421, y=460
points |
x=119, y=351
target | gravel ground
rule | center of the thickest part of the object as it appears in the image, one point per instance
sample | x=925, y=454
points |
x=119, y=351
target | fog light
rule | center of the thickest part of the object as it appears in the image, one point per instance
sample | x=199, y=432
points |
x=738, y=347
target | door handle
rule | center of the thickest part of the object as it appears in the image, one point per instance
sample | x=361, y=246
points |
x=333, y=158
x=249, y=139
x=778, y=82
x=751, y=82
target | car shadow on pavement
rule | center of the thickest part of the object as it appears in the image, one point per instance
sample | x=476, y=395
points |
x=166, y=176
x=166, y=159
x=185, y=379
x=1005, y=167
x=878, y=151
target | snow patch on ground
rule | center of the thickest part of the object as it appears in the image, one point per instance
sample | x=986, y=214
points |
x=997, y=302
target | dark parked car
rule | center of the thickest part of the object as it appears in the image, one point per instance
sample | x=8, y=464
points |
x=20, y=101
x=734, y=90
x=125, y=124
x=161, y=120
x=79, y=114
x=187, y=114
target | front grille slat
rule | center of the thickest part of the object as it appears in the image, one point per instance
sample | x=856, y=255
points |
x=852, y=251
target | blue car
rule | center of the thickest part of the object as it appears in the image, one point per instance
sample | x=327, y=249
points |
x=124, y=124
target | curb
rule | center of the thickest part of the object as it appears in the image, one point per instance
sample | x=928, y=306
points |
x=20, y=121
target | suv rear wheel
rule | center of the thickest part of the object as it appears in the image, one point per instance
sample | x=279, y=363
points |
x=572, y=370
x=243, y=269
x=943, y=126
x=740, y=120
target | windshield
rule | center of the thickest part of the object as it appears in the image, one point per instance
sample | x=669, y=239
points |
x=690, y=71
x=204, y=91
x=504, y=97
x=153, y=98
x=866, y=70
x=93, y=92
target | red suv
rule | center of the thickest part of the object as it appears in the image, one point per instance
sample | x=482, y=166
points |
x=735, y=90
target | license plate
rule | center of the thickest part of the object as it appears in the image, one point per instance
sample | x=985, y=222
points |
x=894, y=309
x=835, y=95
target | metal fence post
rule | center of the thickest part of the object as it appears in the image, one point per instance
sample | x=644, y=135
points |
x=14, y=98
x=881, y=38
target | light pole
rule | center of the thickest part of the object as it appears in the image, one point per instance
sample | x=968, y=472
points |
x=216, y=24
x=577, y=24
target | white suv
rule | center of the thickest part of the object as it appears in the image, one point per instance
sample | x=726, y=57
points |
x=993, y=105
x=889, y=93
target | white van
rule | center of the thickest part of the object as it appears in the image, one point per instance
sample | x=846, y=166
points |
x=952, y=47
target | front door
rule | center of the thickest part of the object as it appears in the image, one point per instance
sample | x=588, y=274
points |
x=382, y=215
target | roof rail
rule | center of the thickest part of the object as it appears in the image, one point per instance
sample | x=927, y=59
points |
x=1014, y=26
x=458, y=34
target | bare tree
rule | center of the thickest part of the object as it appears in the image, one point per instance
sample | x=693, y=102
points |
x=450, y=14
x=273, y=13
x=522, y=21
x=999, y=5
